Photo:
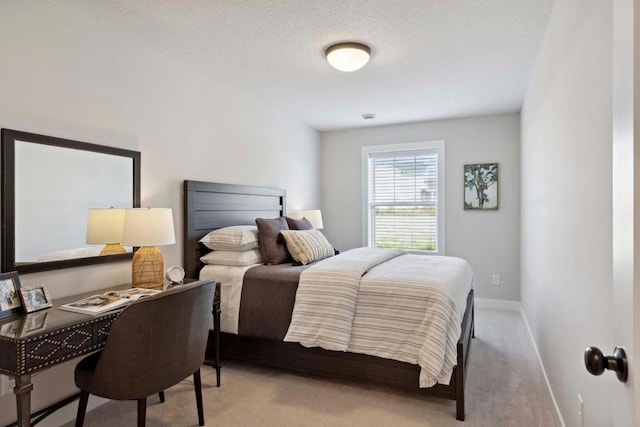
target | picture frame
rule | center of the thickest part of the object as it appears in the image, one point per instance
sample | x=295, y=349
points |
x=10, y=302
x=480, y=186
x=35, y=298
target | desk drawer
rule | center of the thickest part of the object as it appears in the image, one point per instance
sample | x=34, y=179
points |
x=59, y=346
x=103, y=327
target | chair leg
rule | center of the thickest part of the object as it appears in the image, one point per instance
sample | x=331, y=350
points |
x=161, y=395
x=142, y=412
x=198, y=386
x=82, y=407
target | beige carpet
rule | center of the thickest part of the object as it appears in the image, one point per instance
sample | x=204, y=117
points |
x=505, y=387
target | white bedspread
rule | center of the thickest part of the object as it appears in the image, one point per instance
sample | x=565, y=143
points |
x=389, y=304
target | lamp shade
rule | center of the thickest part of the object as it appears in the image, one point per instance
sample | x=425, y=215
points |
x=314, y=216
x=105, y=225
x=148, y=227
x=348, y=56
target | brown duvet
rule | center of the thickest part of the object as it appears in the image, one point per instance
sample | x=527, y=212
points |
x=266, y=304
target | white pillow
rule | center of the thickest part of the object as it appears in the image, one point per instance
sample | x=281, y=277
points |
x=306, y=246
x=237, y=238
x=249, y=257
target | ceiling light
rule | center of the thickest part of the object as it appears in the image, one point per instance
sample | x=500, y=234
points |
x=348, y=56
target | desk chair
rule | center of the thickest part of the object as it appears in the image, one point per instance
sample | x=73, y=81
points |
x=154, y=344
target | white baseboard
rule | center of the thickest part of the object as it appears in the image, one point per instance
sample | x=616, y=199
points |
x=544, y=372
x=497, y=304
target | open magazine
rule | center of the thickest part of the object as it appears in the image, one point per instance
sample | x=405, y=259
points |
x=110, y=300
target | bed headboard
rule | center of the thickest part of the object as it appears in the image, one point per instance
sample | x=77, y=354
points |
x=210, y=205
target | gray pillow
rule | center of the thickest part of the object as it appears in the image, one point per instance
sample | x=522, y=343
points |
x=299, y=224
x=272, y=248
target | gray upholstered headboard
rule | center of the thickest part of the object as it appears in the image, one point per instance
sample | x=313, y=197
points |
x=210, y=205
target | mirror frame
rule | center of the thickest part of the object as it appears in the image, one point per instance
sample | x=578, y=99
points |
x=7, y=246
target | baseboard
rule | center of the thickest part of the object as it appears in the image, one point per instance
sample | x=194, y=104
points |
x=544, y=372
x=497, y=304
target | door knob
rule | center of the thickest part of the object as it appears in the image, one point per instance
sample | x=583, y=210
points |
x=596, y=363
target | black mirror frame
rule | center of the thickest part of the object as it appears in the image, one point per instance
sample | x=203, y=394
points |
x=7, y=257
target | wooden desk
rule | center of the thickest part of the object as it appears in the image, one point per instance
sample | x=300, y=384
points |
x=33, y=342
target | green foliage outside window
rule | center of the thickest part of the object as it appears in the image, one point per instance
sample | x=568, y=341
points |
x=406, y=227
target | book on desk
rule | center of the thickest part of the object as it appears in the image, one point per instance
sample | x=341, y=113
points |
x=110, y=300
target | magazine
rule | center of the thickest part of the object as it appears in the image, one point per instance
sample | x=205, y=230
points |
x=110, y=300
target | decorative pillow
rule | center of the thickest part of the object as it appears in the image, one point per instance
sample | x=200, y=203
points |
x=237, y=238
x=273, y=249
x=299, y=224
x=249, y=257
x=306, y=246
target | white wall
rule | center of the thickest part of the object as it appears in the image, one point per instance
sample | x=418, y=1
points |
x=65, y=76
x=488, y=240
x=566, y=215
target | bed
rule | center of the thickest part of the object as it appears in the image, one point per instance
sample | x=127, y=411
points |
x=209, y=206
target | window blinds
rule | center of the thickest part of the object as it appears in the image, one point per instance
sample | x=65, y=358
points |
x=403, y=200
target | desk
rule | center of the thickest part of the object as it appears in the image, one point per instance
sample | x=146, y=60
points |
x=32, y=342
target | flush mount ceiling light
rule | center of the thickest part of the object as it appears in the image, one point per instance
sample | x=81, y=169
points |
x=348, y=56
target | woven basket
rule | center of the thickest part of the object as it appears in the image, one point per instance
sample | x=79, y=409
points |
x=147, y=268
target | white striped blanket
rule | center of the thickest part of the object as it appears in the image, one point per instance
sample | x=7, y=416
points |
x=384, y=303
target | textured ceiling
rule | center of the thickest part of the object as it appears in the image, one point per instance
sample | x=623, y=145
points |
x=431, y=59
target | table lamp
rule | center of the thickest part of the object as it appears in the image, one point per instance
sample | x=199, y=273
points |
x=104, y=226
x=148, y=228
x=314, y=216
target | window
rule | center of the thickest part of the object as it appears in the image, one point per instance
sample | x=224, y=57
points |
x=403, y=200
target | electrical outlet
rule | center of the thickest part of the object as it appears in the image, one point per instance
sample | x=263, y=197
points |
x=496, y=280
x=581, y=409
x=7, y=384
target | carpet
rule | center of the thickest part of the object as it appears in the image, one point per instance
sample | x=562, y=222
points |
x=505, y=387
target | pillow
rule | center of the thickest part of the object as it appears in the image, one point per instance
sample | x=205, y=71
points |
x=236, y=238
x=299, y=224
x=306, y=246
x=273, y=250
x=249, y=257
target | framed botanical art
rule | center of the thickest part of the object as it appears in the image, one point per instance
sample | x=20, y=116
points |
x=35, y=298
x=481, y=186
x=9, y=297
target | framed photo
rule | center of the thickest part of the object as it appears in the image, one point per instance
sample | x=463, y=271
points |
x=481, y=186
x=10, y=302
x=35, y=298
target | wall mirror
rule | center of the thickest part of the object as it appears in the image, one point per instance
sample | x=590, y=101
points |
x=48, y=186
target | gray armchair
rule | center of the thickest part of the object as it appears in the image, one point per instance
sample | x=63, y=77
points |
x=153, y=344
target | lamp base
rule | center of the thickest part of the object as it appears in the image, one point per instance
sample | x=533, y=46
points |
x=113, y=248
x=147, y=268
